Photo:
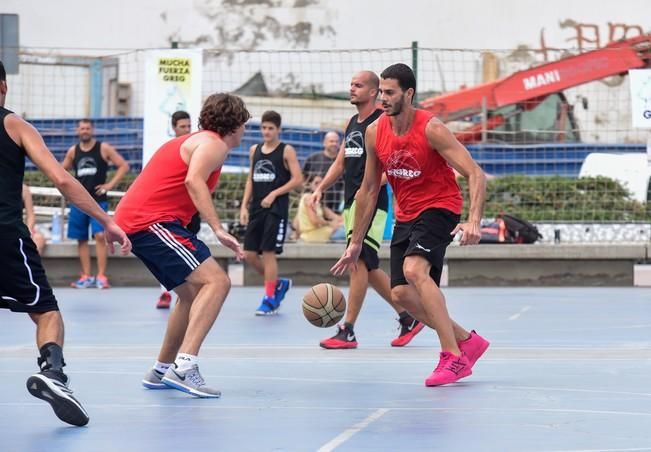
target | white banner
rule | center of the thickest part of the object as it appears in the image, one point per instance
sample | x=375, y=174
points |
x=172, y=83
x=640, y=82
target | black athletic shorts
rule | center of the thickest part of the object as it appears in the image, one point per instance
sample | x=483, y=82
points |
x=428, y=235
x=265, y=232
x=23, y=284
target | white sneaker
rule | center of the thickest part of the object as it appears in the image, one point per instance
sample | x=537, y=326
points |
x=189, y=381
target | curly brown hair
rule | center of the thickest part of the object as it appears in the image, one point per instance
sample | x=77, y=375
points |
x=223, y=113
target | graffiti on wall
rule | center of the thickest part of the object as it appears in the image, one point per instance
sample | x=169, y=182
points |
x=585, y=36
x=253, y=24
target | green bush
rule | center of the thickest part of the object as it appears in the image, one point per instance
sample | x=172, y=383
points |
x=556, y=198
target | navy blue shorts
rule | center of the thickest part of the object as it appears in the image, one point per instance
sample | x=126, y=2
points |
x=169, y=251
x=79, y=223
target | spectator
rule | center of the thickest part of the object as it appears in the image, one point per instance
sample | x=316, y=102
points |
x=90, y=159
x=318, y=163
x=317, y=224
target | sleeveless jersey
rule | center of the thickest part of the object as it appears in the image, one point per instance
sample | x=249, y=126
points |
x=269, y=173
x=159, y=195
x=420, y=178
x=355, y=160
x=90, y=169
x=12, y=171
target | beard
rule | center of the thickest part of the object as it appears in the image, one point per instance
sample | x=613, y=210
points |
x=396, y=108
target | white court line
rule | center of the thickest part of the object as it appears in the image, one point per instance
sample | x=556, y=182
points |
x=518, y=314
x=603, y=450
x=219, y=406
x=510, y=388
x=348, y=433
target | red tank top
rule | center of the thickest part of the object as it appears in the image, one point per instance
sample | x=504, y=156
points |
x=159, y=194
x=420, y=178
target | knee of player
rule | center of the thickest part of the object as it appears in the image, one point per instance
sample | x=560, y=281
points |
x=221, y=281
x=414, y=273
x=399, y=293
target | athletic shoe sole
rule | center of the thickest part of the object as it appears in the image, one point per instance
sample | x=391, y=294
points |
x=263, y=313
x=150, y=385
x=189, y=390
x=65, y=406
x=346, y=346
x=404, y=340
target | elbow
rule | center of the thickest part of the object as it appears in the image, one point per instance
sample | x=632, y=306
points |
x=63, y=181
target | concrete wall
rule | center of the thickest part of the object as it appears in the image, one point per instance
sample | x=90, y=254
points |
x=483, y=265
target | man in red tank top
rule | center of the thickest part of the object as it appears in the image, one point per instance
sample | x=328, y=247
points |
x=418, y=153
x=176, y=183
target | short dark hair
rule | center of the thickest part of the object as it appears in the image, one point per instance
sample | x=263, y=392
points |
x=272, y=117
x=178, y=115
x=87, y=121
x=3, y=73
x=223, y=113
x=402, y=74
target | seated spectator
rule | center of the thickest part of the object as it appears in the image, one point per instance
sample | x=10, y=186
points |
x=318, y=164
x=317, y=224
x=30, y=220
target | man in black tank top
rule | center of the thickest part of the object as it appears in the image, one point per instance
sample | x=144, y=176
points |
x=273, y=173
x=90, y=159
x=24, y=286
x=351, y=162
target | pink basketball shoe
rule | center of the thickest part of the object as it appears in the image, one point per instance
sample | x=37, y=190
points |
x=450, y=369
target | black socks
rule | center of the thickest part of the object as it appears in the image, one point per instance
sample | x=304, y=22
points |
x=51, y=357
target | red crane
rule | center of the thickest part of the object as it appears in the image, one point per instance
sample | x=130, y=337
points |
x=528, y=88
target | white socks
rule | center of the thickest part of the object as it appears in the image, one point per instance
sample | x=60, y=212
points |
x=161, y=367
x=185, y=361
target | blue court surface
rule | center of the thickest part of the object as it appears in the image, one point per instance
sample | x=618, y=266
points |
x=567, y=370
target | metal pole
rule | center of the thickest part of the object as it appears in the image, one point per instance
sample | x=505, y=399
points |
x=414, y=60
x=484, y=120
x=62, y=219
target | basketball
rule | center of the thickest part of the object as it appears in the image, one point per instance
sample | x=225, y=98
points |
x=324, y=305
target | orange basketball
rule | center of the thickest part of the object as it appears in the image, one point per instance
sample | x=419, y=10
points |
x=324, y=305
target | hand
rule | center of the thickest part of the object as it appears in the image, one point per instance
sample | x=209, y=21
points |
x=347, y=260
x=314, y=199
x=471, y=233
x=230, y=242
x=268, y=200
x=244, y=216
x=102, y=189
x=113, y=233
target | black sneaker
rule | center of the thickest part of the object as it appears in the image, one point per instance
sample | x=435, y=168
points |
x=52, y=386
x=345, y=338
x=409, y=328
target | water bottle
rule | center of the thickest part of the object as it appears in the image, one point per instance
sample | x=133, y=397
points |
x=56, y=227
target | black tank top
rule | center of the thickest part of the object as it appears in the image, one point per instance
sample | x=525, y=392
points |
x=12, y=171
x=269, y=173
x=355, y=160
x=90, y=169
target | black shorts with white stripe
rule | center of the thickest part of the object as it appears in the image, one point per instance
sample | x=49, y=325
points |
x=23, y=284
x=169, y=251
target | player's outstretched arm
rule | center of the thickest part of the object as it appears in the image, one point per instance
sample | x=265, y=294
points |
x=441, y=139
x=365, y=199
x=25, y=135
x=207, y=157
